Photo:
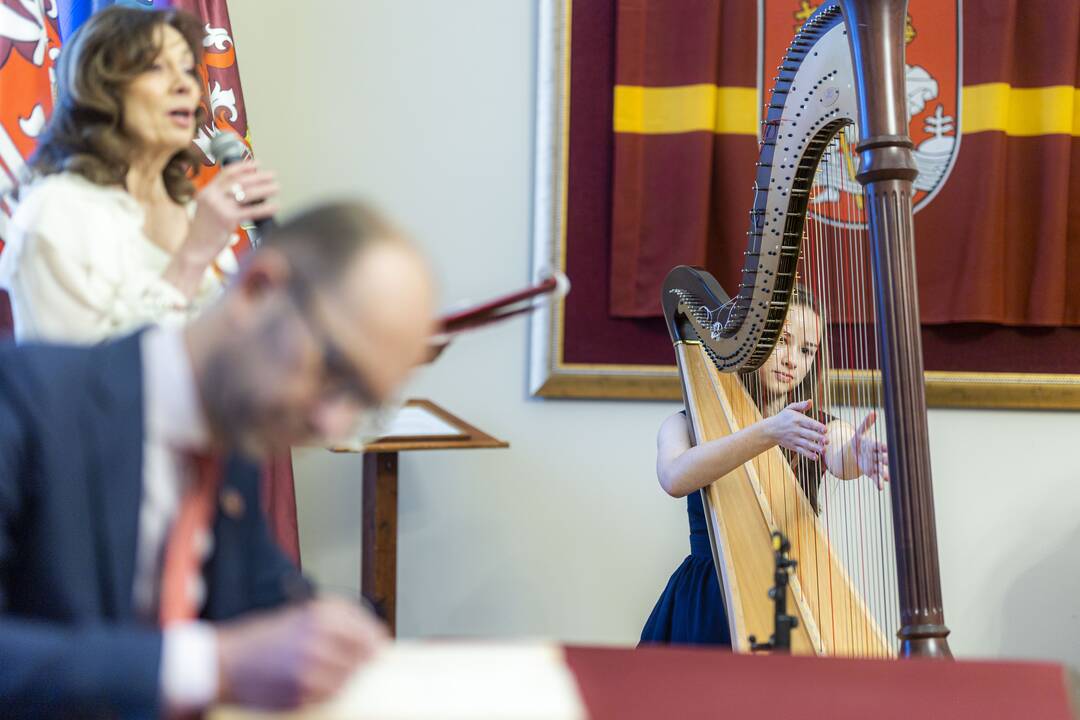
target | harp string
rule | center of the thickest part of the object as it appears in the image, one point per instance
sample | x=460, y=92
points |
x=859, y=487
x=855, y=517
x=880, y=500
x=809, y=272
x=849, y=281
x=825, y=237
x=844, y=411
x=837, y=311
x=853, y=523
x=805, y=275
x=877, y=511
x=860, y=357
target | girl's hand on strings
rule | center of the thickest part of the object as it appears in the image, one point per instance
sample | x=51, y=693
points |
x=871, y=454
x=793, y=430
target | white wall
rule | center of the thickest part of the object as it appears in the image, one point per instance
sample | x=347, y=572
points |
x=426, y=106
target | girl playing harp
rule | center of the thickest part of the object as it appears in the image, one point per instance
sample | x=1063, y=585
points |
x=785, y=389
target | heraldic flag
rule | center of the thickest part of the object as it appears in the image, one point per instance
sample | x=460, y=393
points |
x=29, y=45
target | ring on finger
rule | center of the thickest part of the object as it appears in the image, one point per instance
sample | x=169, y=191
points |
x=238, y=193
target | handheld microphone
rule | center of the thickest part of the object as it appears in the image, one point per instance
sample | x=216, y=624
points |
x=227, y=148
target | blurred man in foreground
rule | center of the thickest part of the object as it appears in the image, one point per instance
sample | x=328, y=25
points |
x=137, y=576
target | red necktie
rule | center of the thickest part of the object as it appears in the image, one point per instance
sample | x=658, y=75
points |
x=183, y=559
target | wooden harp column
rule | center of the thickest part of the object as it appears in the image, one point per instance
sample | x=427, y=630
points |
x=887, y=170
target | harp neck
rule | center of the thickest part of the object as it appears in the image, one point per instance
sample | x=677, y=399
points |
x=876, y=35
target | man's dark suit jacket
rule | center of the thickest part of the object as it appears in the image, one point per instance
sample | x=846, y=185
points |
x=71, y=457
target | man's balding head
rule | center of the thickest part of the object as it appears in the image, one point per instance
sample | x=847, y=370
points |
x=327, y=319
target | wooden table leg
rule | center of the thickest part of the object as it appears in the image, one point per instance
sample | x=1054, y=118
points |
x=378, y=563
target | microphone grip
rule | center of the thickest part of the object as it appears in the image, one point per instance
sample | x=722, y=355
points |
x=228, y=148
x=258, y=229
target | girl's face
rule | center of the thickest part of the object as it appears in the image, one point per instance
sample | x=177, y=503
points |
x=794, y=353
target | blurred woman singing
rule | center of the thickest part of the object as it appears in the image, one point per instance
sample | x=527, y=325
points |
x=109, y=233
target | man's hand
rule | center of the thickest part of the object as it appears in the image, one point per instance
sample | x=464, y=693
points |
x=296, y=655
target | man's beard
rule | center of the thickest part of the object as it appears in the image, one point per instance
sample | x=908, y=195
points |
x=230, y=407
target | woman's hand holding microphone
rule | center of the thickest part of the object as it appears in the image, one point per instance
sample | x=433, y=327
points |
x=241, y=191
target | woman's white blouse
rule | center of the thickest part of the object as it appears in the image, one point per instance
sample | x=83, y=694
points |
x=79, y=266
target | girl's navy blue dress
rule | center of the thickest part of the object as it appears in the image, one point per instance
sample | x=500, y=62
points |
x=691, y=608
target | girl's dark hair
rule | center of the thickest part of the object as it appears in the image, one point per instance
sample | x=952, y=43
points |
x=86, y=132
x=808, y=472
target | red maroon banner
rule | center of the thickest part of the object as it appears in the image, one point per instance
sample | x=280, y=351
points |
x=224, y=104
x=226, y=113
x=998, y=223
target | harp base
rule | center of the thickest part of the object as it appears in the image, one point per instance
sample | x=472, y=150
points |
x=924, y=641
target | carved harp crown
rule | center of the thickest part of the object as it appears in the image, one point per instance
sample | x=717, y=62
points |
x=832, y=213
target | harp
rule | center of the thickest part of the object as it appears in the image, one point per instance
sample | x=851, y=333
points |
x=831, y=212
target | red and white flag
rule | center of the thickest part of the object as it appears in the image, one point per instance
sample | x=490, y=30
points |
x=29, y=45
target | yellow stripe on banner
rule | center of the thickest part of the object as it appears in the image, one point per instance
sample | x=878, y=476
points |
x=1053, y=110
x=685, y=108
x=993, y=107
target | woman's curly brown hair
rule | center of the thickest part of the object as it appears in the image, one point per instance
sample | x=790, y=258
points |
x=86, y=132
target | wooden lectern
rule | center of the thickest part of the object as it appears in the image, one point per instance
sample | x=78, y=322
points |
x=378, y=560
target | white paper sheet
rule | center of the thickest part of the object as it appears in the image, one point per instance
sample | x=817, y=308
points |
x=417, y=421
x=451, y=681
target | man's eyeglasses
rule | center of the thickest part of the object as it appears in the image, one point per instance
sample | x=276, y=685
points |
x=342, y=380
